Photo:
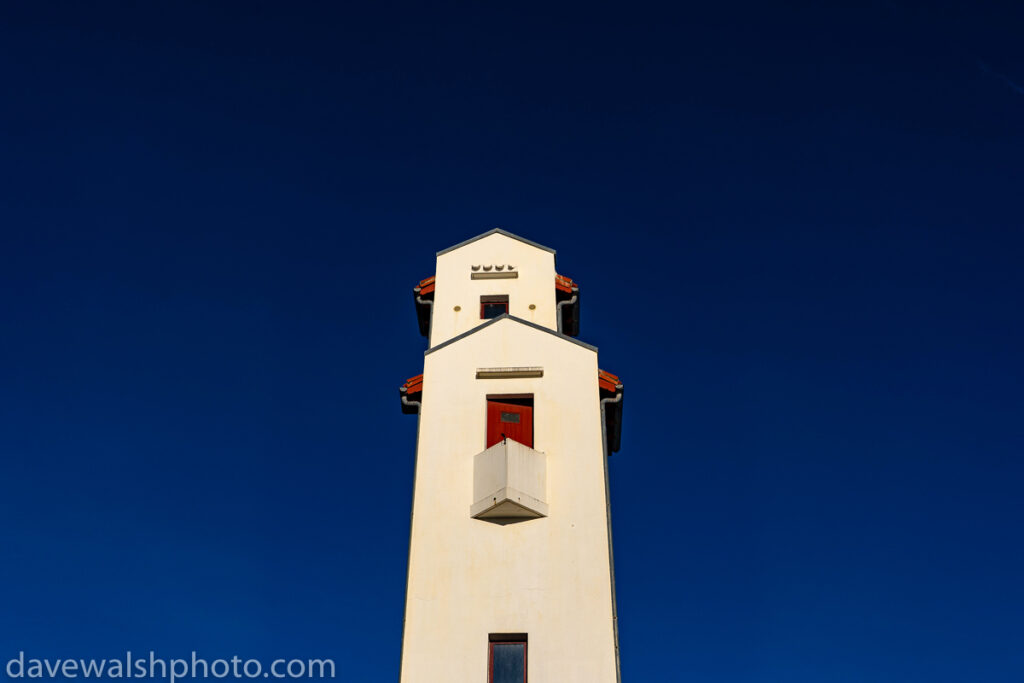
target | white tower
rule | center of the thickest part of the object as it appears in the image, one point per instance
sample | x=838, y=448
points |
x=510, y=554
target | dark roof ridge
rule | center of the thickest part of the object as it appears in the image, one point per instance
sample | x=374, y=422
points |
x=503, y=316
x=495, y=231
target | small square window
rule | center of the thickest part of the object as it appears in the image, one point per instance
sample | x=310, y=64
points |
x=506, y=658
x=491, y=306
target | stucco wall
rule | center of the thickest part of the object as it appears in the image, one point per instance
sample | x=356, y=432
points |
x=546, y=577
x=534, y=285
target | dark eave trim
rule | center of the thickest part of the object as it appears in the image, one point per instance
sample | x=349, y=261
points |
x=496, y=231
x=503, y=316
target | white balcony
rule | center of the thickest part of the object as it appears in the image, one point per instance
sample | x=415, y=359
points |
x=509, y=482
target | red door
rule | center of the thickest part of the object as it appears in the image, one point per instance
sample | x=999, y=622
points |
x=513, y=420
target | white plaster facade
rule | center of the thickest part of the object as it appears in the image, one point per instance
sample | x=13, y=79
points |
x=549, y=577
x=533, y=265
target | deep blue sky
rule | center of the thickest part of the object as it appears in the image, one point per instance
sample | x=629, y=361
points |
x=798, y=232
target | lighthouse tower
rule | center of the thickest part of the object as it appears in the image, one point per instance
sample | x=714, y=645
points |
x=510, y=555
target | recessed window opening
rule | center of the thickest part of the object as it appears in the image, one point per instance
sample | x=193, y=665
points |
x=506, y=658
x=493, y=305
x=510, y=417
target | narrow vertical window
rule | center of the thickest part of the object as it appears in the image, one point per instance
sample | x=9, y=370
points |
x=493, y=305
x=506, y=658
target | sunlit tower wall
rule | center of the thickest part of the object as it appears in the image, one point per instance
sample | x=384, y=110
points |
x=510, y=574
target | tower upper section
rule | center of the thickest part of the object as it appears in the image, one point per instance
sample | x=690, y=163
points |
x=491, y=274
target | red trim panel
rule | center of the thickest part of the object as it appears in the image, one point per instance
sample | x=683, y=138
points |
x=426, y=286
x=607, y=380
x=414, y=384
